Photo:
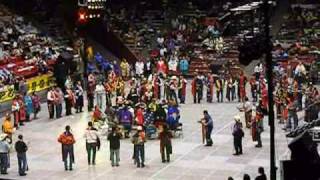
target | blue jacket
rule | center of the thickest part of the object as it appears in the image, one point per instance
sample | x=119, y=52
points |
x=184, y=65
x=28, y=104
x=125, y=116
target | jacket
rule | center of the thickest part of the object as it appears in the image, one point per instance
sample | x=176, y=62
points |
x=7, y=127
x=114, y=139
x=21, y=147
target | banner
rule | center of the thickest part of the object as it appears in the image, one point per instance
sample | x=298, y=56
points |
x=35, y=84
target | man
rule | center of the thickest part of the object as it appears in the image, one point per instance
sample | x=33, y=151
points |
x=219, y=88
x=247, y=106
x=242, y=87
x=67, y=140
x=292, y=113
x=50, y=101
x=69, y=100
x=262, y=175
x=114, y=138
x=79, y=97
x=90, y=91
x=208, y=123
x=126, y=119
x=238, y=134
x=165, y=143
x=92, y=143
x=7, y=127
x=4, y=154
x=210, y=84
x=182, y=89
x=21, y=149
x=197, y=88
x=138, y=139
x=259, y=125
x=59, y=100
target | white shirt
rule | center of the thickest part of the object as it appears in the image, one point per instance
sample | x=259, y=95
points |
x=139, y=67
x=91, y=136
x=160, y=40
x=162, y=51
x=99, y=89
x=172, y=65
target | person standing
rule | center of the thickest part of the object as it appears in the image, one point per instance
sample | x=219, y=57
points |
x=114, y=138
x=247, y=106
x=79, y=97
x=219, y=88
x=59, y=99
x=7, y=127
x=242, y=87
x=259, y=125
x=29, y=106
x=138, y=140
x=21, y=149
x=36, y=104
x=197, y=89
x=165, y=143
x=238, y=134
x=99, y=91
x=90, y=91
x=210, y=84
x=69, y=100
x=50, y=101
x=67, y=141
x=262, y=175
x=4, y=154
x=292, y=113
x=16, y=111
x=182, y=89
x=92, y=143
x=208, y=123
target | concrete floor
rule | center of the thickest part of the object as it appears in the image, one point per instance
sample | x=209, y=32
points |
x=190, y=159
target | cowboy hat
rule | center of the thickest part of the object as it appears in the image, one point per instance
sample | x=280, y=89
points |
x=3, y=136
x=139, y=128
x=237, y=118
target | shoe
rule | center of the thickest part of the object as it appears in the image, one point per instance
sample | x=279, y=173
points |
x=93, y=163
x=142, y=165
x=23, y=174
x=163, y=161
x=208, y=145
x=235, y=154
x=66, y=169
x=117, y=165
x=138, y=165
x=258, y=146
x=240, y=153
x=112, y=165
x=4, y=173
x=168, y=161
x=70, y=169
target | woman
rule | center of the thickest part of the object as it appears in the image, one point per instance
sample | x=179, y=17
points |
x=165, y=144
x=67, y=140
x=7, y=127
x=36, y=104
x=29, y=106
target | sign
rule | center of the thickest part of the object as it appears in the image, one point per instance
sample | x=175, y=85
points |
x=35, y=84
x=40, y=83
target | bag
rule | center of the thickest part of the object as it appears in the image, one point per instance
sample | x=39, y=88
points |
x=241, y=133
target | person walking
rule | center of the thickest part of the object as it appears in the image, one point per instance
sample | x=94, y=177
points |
x=114, y=138
x=50, y=101
x=4, y=154
x=21, y=149
x=92, y=143
x=69, y=101
x=67, y=141
x=238, y=134
x=138, y=140
x=208, y=123
x=165, y=143
x=262, y=175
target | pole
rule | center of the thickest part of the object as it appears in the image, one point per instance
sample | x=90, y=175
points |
x=269, y=67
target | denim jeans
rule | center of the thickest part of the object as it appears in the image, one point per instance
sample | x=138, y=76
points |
x=114, y=156
x=58, y=110
x=22, y=162
x=3, y=162
x=99, y=100
x=139, y=154
x=294, y=116
x=91, y=147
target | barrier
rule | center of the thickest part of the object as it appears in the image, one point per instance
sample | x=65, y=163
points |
x=35, y=84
